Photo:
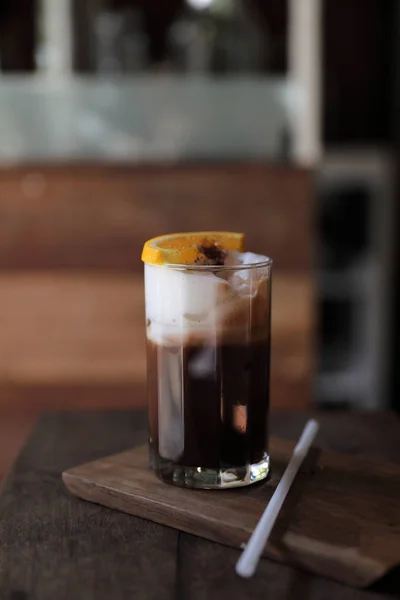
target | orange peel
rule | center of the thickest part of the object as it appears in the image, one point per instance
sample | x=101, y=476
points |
x=190, y=248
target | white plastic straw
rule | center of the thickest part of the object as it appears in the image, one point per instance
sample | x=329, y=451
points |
x=248, y=561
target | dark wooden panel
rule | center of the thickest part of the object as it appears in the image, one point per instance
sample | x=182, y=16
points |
x=99, y=217
x=35, y=398
x=55, y=546
x=70, y=328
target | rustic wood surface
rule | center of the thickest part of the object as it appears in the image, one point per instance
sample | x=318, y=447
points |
x=54, y=546
x=341, y=519
x=21, y=403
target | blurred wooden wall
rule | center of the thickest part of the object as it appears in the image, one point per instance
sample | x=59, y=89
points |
x=71, y=287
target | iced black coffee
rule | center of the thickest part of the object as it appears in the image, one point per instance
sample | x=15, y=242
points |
x=208, y=356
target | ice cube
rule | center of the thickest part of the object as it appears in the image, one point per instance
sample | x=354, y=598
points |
x=170, y=404
x=184, y=305
x=246, y=282
x=183, y=299
x=247, y=307
x=234, y=318
x=234, y=257
x=203, y=364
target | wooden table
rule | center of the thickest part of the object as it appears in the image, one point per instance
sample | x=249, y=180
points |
x=55, y=546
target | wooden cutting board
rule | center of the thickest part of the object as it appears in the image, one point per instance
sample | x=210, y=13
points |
x=341, y=518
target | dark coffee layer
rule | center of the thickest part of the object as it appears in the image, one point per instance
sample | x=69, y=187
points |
x=208, y=403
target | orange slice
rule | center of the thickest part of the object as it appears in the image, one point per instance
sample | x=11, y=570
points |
x=200, y=247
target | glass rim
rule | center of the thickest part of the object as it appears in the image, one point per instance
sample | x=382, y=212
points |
x=193, y=267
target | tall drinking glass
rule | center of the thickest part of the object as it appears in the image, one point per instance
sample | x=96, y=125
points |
x=208, y=357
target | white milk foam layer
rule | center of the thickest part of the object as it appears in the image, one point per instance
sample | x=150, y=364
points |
x=183, y=303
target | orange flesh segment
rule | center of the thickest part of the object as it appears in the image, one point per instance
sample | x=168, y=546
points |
x=183, y=248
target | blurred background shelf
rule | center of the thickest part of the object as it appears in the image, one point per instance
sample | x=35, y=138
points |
x=143, y=119
x=356, y=241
